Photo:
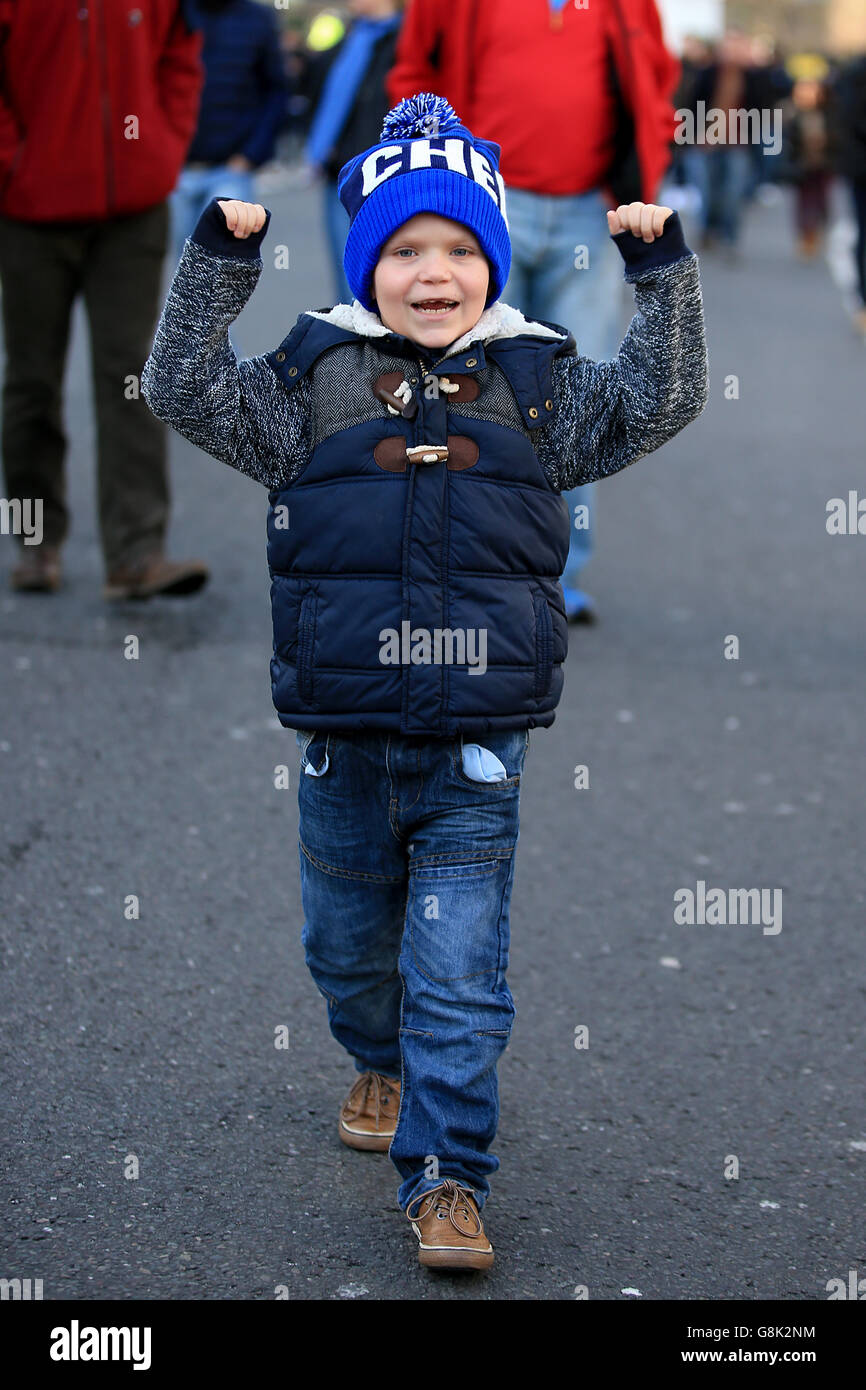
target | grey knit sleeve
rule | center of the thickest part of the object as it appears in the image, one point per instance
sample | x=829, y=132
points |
x=610, y=414
x=238, y=411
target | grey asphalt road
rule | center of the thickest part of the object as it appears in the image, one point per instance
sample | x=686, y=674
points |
x=149, y=1044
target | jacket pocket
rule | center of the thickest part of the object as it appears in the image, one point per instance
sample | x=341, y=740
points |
x=315, y=751
x=543, y=645
x=509, y=747
x=14, y=165
x=306, y=646
x=304, y=738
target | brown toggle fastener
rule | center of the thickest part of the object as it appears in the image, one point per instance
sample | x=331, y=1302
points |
x=467, y=388
x=459, y=453
x=427, y=453
x=383, y=389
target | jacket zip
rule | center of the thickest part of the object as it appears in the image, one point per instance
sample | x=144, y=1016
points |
x=425, y=371
x=416, y=431
x=106, y=109
x=446, y=573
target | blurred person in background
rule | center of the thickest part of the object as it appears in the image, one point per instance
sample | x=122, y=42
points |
x=809, y=154
x=769, y=87
x=243, y=106
x=298, y=71
x=849, y=93
x=579, y=101
x=695, y=57
x=84, y=190
x=722, y=166
x=350, y=106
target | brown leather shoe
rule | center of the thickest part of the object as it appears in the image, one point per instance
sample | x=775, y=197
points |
x=368, y=1118
x=449, y=1229
x=156, y=575
x=38, y=569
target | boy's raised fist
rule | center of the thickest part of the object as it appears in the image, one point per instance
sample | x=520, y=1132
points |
x=242, y=218
x=643, y=219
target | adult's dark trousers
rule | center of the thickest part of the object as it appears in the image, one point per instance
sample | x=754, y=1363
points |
x=116, y=266
x=812, y=201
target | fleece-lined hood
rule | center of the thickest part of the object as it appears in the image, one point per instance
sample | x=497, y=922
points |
x=499, y=320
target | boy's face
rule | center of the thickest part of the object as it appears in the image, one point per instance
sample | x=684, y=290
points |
x=432, y=260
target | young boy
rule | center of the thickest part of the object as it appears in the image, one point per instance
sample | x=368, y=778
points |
x=415, y=444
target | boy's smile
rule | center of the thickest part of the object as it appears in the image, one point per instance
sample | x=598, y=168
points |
x=431, y=280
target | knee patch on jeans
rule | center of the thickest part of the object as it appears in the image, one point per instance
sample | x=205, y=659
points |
x=448, y=942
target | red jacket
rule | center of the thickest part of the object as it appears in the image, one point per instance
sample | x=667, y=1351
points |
x=98, y=104
x=436, y=52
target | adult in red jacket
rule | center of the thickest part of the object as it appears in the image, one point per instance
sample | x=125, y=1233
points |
x=98, y=104
x=579, y=99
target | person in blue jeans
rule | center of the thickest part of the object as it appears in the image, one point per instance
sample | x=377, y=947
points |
x=564, y=269
x=415, y=445
x=721, y=175
x=349, y=109
x=407, y=934
x=243, y=106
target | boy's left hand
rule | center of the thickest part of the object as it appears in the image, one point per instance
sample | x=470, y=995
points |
x=642, y=219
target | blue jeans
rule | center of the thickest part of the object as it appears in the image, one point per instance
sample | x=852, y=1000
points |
x=721, y=174
x=193, y=192
x=547, y=234
x=406, y=874
x=337, y=228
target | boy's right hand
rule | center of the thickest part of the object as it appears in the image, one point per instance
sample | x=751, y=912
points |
x=242, y=218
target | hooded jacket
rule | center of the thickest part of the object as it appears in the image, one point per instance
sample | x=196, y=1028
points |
x=98, y=103
x=440, y=51
x=416, y=532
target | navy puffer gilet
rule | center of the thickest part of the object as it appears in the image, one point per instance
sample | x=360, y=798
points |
x=357, y=552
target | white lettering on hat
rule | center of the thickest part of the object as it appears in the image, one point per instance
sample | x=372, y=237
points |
x=502, y=208
x=424, y=154
x=373, y=175
x=482, y=172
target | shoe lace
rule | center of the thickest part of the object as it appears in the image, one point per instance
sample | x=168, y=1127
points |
x=453, y=1200
x=370, y=1088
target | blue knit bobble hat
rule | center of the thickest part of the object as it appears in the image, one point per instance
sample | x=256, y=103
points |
x=426, y=161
